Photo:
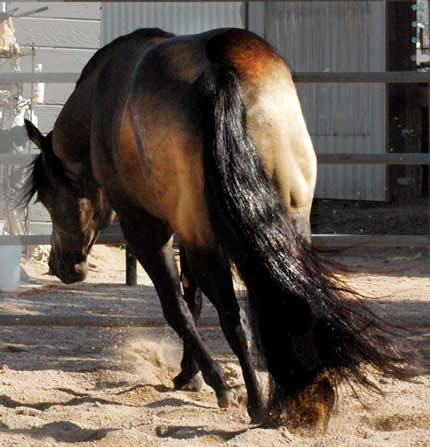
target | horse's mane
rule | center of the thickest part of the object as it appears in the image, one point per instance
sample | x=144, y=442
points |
x=45, y=165
x=104, y=53
x=29, y=188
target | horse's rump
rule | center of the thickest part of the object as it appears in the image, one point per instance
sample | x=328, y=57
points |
x=165, y=111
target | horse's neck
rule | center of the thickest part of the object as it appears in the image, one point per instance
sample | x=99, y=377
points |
x=71, y=137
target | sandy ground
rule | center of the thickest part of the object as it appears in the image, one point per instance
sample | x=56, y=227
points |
x=112, y=386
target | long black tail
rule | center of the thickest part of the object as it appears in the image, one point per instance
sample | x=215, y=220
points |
x=307, y=324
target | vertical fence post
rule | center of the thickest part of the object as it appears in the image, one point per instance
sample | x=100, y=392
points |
x=428, y=151
x=130, y=267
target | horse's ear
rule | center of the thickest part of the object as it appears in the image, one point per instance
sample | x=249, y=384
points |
x=34, y=135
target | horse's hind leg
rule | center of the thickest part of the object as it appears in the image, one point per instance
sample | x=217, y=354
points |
x=213, y=275
x=188, y=379
x=149, y=240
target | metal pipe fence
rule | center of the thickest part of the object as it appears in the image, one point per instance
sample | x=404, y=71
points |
x=322, y=240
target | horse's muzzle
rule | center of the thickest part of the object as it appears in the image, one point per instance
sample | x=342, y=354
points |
x=70, y=273
x=80, y=271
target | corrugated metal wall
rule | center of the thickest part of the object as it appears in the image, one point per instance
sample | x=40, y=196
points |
x=337, y=36
x=312, y=36
x=176, y=17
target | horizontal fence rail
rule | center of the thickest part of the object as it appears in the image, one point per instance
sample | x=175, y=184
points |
x=389, y=159
x=370, y=240
x=51, y=78
x=318, y=240
x=17, y=159
x=338, y=158
x=387, y=77
x=322, y=240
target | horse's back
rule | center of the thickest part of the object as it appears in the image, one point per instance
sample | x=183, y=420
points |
x=73, y=125
x=138, y=39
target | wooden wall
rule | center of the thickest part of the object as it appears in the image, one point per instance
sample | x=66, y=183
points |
x=65, y=37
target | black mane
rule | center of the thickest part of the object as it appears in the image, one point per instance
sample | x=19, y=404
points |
x=43, y=168
x=30, y=186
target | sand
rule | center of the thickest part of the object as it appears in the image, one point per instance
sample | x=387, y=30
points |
x=109, y=386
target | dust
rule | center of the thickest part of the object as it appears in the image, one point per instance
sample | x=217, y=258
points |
x=153, y=361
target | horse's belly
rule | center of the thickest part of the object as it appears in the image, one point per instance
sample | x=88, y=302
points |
x=183, y=198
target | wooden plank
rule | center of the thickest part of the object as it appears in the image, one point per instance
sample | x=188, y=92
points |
x=17, y=159
x=60, y=77
x=38, y=213
x=362, y=77
x=45, y=239
x=410, y=77
x=357, y=157
x=55, y=94
x=318, y=240
x=74, y=10
x=391, y=159
x=60, y=33
x=375, y=240
x=47, y=116
x=38, y=227
x=57, y=60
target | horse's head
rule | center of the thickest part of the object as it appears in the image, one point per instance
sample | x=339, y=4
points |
x=77, y=206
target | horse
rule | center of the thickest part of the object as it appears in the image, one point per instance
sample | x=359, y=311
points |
x=203, y=136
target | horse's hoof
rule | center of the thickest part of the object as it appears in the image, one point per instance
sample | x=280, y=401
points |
x=192, y=385
x=258, y=415
x=234, y=396
x=225, y=399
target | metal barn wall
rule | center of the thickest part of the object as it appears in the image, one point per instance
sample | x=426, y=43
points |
x=312, y=36
x=337, y=36
x=176, y=17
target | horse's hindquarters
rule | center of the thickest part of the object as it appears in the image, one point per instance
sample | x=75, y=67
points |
x=278, y=130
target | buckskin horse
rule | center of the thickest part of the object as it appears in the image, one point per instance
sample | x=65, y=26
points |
x=203, y=135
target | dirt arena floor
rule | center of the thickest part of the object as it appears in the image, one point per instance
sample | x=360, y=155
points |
x=111, y=387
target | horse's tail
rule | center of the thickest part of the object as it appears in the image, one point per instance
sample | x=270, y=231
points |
x=307, y=325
